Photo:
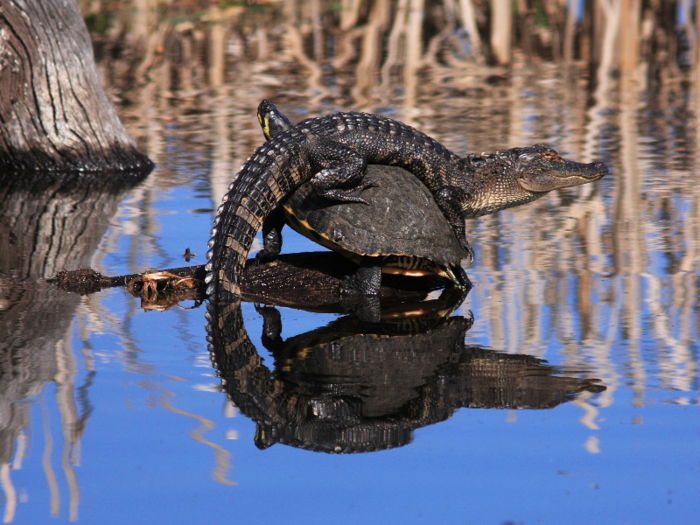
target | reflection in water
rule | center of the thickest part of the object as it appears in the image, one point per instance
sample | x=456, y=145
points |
x=47, y=223
x=602, y=278
x=583, y=266
x=355, y=386
x=222, y=456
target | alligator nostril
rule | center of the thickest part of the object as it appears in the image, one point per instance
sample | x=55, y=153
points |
x=601, y=166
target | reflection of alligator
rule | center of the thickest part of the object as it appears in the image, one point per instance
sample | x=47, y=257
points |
x=335, y=150
x=357, y=387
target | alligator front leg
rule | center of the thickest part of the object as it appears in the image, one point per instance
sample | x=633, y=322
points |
x=341, y=172
x=448, y=198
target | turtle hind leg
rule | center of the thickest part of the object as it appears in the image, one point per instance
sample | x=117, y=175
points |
x=360, y=292
x=272, y=236
x=366, y=281
x=272, y=327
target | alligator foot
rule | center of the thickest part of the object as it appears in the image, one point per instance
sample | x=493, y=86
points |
x=461, y=235
x=468, y=248
x=349, y=194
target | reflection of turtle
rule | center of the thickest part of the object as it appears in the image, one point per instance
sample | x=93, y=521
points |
x=354, y=386
x=400, y=229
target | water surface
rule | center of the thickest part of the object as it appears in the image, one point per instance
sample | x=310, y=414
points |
x=112, y=413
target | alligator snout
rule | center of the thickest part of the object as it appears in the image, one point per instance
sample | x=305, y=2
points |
x=600, y=169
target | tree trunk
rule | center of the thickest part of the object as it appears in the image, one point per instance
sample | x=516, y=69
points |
x=54, y=114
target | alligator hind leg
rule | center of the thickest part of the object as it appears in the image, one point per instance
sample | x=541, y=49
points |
x=342, y=170
x=272, y=236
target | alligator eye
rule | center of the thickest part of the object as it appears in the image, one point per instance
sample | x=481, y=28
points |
x=529, y=156
x=476, y=160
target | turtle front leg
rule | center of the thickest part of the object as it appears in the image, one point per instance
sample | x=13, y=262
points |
x=366, y=281
x=449, y=199
x=272, y=236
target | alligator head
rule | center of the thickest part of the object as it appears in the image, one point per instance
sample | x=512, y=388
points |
x=519, y=175
x=541, y=169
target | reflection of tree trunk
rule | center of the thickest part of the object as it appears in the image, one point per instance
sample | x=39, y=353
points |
x=569, y=31
x=414, y=52
x=470, y=25
x=54, y=114
x=33, y=321
x=370, y=55
x=36, y=239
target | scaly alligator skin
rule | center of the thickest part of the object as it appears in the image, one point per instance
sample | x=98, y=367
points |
x=335, y=150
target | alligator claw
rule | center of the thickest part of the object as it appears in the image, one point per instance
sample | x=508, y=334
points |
x=467, y=248
x=349, y=194
x=263, y=257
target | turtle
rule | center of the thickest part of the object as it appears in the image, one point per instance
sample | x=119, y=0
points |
x=397, y=229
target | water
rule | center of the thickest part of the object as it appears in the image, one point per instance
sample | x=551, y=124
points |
x=112, y=413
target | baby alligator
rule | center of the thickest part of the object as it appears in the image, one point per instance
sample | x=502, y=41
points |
x=333, y=152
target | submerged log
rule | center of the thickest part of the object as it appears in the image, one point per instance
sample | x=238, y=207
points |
x=54, y=114
x=303, y=280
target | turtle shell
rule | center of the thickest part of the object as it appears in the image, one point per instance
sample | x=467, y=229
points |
x=402, y=224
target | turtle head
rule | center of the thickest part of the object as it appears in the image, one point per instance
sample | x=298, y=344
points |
x=265, y=436
x=541, y=169
x=272, y=120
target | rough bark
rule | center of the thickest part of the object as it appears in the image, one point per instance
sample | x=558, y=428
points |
x=54, y=114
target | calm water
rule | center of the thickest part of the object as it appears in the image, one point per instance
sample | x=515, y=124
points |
x=111, y=413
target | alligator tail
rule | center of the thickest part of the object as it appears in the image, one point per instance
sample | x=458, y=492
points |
x=262, y=182
x=244, y=376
